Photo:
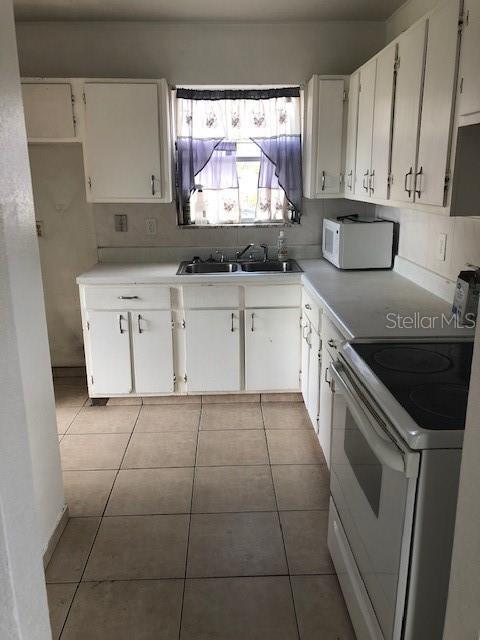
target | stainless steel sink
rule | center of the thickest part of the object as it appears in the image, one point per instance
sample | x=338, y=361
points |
x=286, y=266
x=206, y=267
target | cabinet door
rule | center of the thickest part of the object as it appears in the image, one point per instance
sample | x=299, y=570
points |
x=306, y=333
x=352, y=117
x=212, y=350
x=122, y=141
x=329, y=136
x=366, y=100
x=48, y=110
x=411, y=50
x=108, y=338
x=470, y=86
x=382, y=123
x=326, y=406
x=272, y=349
x=152, y=351
x=313, y=395
x=437, y=106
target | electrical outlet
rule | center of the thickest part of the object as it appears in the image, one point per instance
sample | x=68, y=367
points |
x=121, y=222
x=442, y=247
x=151, y=226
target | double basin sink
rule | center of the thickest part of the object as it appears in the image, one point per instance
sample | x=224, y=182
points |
x=261, y=266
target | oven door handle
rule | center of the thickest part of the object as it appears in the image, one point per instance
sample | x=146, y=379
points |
x=387, y=452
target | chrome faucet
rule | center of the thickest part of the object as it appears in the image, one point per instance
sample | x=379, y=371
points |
x=239, y=254
x=265, y=252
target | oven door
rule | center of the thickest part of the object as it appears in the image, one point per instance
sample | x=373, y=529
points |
x=373, y=484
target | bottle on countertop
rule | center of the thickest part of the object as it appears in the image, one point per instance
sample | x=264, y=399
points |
x=282, y=247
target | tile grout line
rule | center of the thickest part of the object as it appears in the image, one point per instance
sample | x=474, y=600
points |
x=190, y=522
x=98, y=529
x=281, y=529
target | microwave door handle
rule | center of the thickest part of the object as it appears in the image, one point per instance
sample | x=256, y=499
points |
x=387, y=452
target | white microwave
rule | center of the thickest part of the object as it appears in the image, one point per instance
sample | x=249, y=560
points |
x=355, y=243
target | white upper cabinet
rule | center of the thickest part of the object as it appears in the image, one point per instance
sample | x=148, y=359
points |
x=323, y=143
x=127, y=141
x=437, y=106
x=470, y=61
x=411, y=48
x=352, y=120
x=382, y=123
x=366, y=102
x=48, y=110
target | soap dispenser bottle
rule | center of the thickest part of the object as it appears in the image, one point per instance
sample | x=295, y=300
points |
x=282, y=246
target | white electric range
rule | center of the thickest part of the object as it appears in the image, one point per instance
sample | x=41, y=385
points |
x=398, y=420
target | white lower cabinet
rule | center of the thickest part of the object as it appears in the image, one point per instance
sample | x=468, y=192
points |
x=122, y=342
x=152, y=351
x=212, y=350
x=272, y=349
x=110, y=369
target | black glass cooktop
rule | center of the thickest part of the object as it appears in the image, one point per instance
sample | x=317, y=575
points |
x=429, y=380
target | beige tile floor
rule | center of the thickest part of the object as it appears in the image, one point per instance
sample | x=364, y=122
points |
x=192, y=519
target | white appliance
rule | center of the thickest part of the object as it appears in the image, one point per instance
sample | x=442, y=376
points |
x=395, y=463
x=352, y=242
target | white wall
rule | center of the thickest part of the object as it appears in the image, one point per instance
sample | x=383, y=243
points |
x=68, y=245
x=28, y=441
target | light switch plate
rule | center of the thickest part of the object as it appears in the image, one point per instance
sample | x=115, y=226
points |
x=121, y=222
x=151, y=226
x=442, y=247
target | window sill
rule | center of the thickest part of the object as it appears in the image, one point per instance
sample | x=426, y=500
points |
x=249, y=225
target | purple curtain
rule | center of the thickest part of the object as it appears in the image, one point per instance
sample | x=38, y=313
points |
x=192, y=156
x=281, y=164
x=220, y=172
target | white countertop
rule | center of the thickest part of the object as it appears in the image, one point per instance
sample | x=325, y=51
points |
x=357, y=301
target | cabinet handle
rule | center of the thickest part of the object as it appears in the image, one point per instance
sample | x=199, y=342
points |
x=252, y=327
x=409, y=173
x=323, y=180
x=153, y=184
x=120, y=327
x=233, y=328
x=365, y=179
x=139, y=318
x=418, y=182
x=128, y=297
x=331, y=343
x=372, y=181
x=308, y=306
x=304, y=335
x=350, y=179
x=326, y=376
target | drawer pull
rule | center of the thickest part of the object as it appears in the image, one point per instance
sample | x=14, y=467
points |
x=120, y=326
x=128, y=298
x=139, y=318
x=253, y=325
x=233, y=328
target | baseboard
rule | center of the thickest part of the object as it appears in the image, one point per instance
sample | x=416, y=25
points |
x=433, y=282
x=55, y=537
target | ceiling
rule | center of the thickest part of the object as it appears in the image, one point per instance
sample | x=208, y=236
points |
x=206, y=10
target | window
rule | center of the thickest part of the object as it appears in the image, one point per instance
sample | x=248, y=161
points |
x=238, y=156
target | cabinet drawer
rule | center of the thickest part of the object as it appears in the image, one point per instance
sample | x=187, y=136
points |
x=127, y=297
x=331, y=337
x=210, y=296
x=284, y=295
x=311, y=310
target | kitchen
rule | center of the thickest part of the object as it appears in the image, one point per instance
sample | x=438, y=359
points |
x=249, y=263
